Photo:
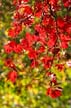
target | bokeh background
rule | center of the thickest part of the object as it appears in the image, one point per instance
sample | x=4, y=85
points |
x=19, y=96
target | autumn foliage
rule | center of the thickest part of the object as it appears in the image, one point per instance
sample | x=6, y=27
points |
x=42, y=35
